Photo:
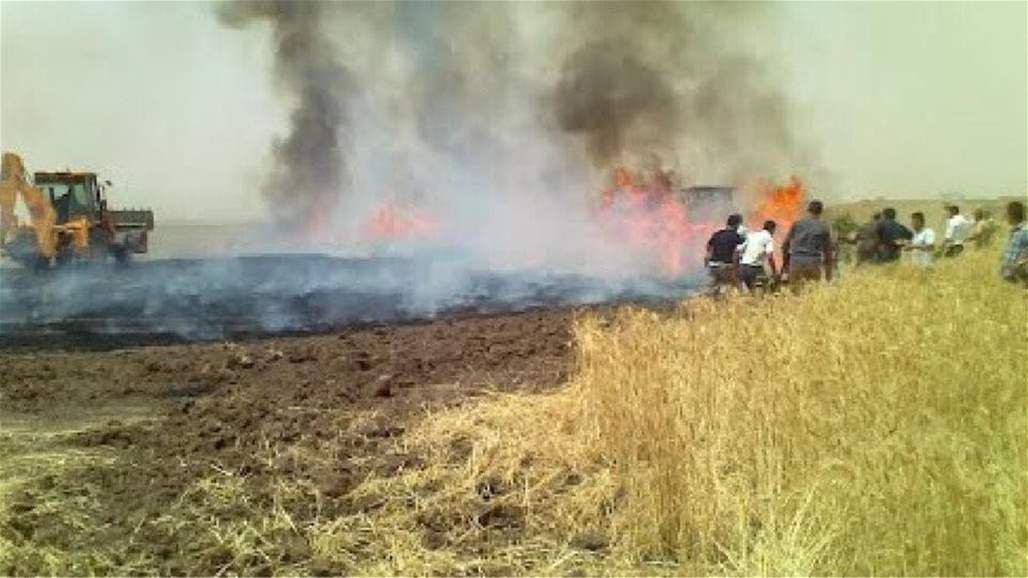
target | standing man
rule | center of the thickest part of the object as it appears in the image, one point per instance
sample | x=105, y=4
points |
x=721, y=255
x=758, y=249
x=1015, y=256
x=922, y=245
x=957, y=229
x=983, y=229
x=808, y=248
x=891, y=236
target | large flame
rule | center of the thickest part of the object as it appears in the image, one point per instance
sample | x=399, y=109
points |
x=781, y=204
x=648, y=216
x=651, y=217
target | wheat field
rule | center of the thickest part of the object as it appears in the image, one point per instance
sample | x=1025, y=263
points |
x=874, y=426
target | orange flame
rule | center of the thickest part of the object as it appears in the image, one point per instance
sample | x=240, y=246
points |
x=782, y=204
x=390, y=223
x=649, y=217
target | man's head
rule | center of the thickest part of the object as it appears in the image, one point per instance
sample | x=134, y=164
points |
x=734, y=220
x=1015, y=212
x=876, y=217
x=815, y=208
x=953, y=210
x=979, y=214
x=917, y=220
x=770, y=226
x=889, y=214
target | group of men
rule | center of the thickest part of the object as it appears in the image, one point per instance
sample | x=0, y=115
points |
x=884, y=240
x=746, y=259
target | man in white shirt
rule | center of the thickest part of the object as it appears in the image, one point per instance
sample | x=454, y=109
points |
x=758, y=248
x=957, y=229
x=922, y=244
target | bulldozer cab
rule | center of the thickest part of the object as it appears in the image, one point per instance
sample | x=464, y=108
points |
x=72, y=195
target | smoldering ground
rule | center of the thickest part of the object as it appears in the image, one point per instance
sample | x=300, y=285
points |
x=217, y=299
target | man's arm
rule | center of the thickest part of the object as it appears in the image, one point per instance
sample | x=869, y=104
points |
x=740, y=244
x=785, y=248
x=741, y=247
x=769, y=252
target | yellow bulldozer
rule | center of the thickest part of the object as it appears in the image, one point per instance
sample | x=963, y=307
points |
x=68, y=219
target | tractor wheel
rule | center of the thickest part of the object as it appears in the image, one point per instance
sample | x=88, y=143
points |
x=120, y=253
x=99, y=244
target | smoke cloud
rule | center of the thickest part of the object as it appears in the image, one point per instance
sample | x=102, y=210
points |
x=310, y=170
x=667, y=79
x=503, y=122
x=498, y=126
x=605, y=92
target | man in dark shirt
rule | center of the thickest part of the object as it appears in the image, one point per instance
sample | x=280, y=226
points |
x=808, y=248
x=721, y=254
x=891, y=237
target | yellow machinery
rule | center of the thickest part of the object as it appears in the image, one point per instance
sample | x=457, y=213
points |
x=68, y=218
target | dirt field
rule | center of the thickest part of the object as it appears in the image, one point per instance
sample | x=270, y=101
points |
x=147, y=423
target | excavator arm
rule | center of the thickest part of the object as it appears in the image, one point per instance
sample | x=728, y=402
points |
x=43, y=218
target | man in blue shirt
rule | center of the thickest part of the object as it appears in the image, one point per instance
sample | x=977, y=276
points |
x=891, y=236
x=1015, y=256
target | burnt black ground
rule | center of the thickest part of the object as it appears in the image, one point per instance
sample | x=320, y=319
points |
x=173, y=301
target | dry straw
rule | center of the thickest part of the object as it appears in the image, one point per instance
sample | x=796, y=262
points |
x=875, y=426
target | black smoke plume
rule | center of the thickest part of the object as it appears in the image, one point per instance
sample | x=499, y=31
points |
x=671, y=78
x=310, y=168
x=604, y=92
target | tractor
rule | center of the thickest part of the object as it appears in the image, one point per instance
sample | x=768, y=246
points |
x=69, y=219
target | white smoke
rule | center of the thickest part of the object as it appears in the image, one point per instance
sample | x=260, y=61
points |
x=503, y=121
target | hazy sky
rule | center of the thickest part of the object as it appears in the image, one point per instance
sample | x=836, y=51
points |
x=901, y=99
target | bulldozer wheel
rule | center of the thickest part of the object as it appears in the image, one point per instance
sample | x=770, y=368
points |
x=99, y=244
x=120, y=253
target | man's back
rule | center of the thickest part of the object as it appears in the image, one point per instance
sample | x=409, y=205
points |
x=920, y=245
x=889, y=233
x=957, y=229
x=983, y=231
x=758, y=245
x=1015, y=254
x=809, y=239
x=723, y=244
